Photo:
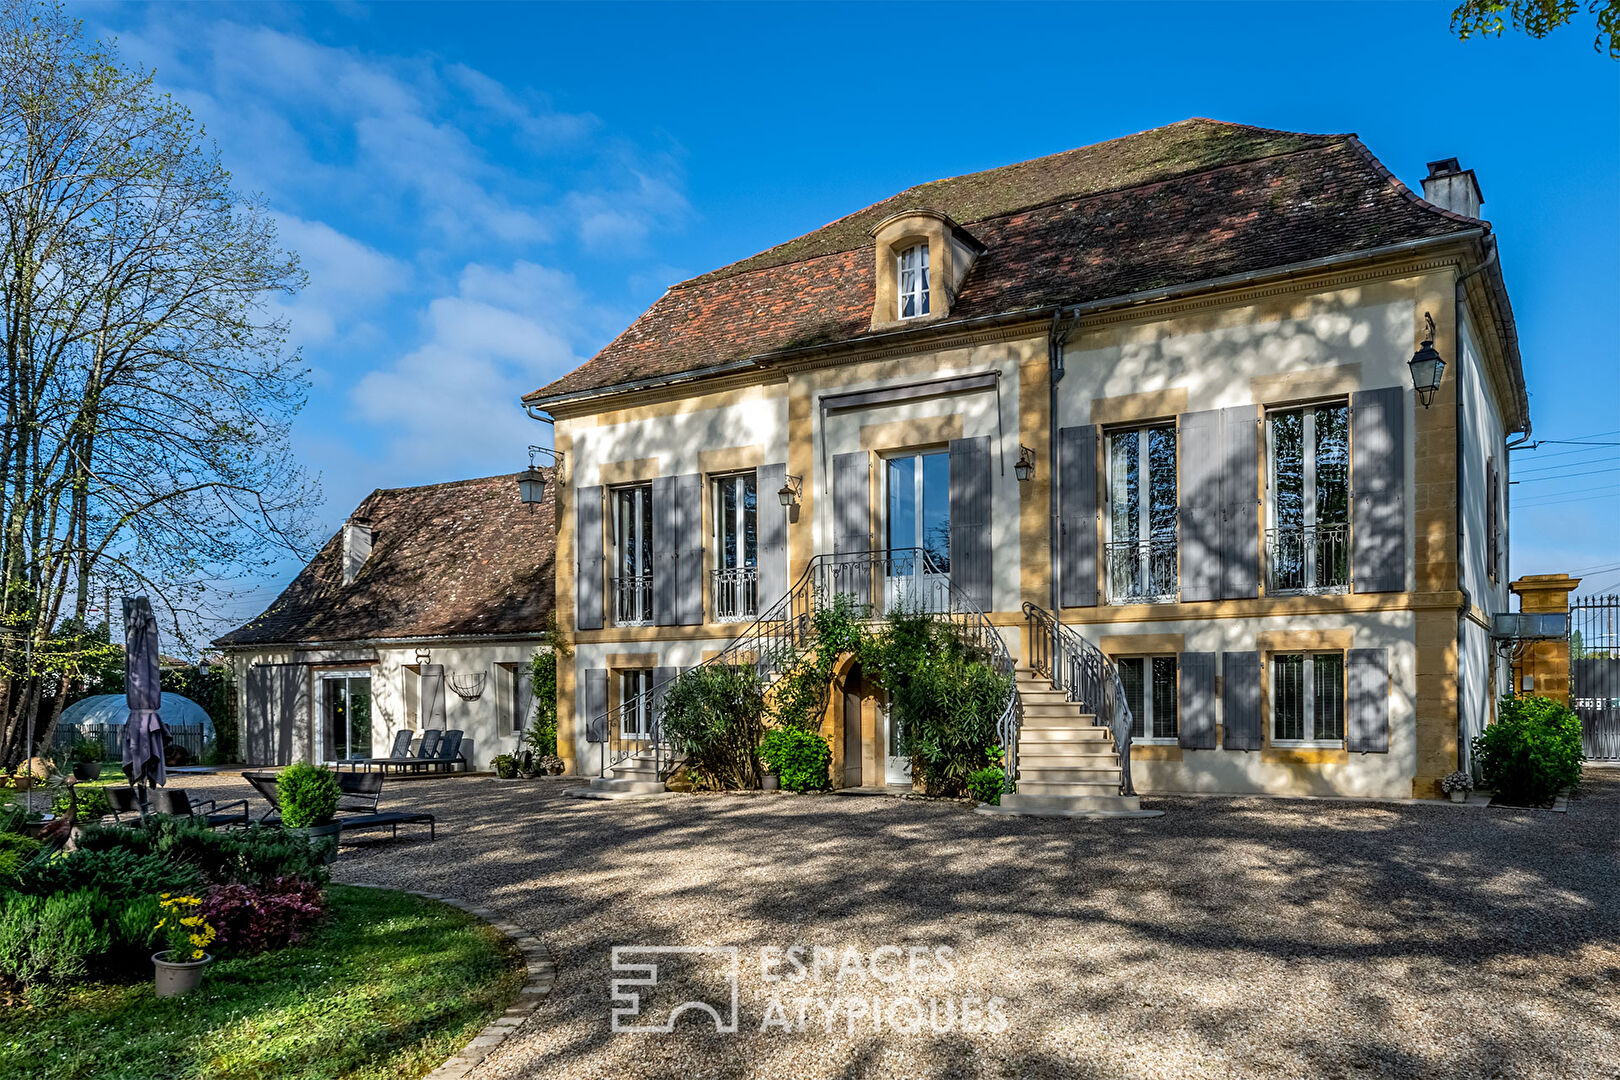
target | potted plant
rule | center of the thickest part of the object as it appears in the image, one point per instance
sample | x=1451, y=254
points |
x=526, y=765
x=86, y=757
x=179, y=968
x=308, y=798
x=553, y=765
x=505, y=767
x=1458, y=785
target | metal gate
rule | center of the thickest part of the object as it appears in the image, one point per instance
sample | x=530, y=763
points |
x=1594, y=673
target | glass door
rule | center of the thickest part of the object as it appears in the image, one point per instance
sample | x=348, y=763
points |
x=917, y=514
x=345, y=716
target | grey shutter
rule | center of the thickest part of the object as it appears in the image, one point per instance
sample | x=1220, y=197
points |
x=1077, y=516
x=970, y=518
x=1200, y=519
x=660, y=687
x=689, y=568
x=1367, y=701
x=588, y=582
x=596, y=705
x=1240, y=701
x=1197, y=693
x=1240, y=503
x=430, y=696
x=665, y=541
x=1378, y=489
x=771, y=518
x=852, y=523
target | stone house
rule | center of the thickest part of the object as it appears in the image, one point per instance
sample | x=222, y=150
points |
x=1156, y=391
x=421, y=612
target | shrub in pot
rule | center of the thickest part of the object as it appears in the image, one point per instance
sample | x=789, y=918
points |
x=308, y=798
x=1532, y=751
x=505, y=766
x=86, y=758
x=801, y=759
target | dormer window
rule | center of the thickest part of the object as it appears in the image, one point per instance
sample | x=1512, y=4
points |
x=914, y=281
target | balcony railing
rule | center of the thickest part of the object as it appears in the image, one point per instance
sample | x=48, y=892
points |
x=736, y=593
x=1142, y=572
x=1308, y=559
x=632, y=600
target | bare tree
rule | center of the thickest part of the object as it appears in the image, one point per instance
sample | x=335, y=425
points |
x=148, y=386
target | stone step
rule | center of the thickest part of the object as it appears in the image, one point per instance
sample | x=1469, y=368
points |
x=1069, y=790
x=1047, y=772
x=1021, y=803
x=1069, y=733
x=1028, y=762
x=626, y=787
x=1054, y=712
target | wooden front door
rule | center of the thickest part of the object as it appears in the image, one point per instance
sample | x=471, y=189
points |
x=852, y=727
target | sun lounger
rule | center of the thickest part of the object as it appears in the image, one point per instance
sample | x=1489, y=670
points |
x=210, y=811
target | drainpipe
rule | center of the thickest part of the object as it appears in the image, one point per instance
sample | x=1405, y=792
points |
x=1055, y=338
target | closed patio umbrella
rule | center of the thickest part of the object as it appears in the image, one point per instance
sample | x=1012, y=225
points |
x=144, y=739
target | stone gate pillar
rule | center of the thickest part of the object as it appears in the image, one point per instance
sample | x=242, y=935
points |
x=1545, y=663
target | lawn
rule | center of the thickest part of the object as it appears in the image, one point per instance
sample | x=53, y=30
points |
x=390, y=986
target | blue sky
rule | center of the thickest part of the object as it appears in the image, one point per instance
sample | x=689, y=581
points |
x=484, y=195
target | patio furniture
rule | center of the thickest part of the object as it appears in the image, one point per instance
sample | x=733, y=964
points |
x=357, y=804
x=448, y=754
x=126, y=810
x=212, y=812
x=399, y=752
x=357, y=808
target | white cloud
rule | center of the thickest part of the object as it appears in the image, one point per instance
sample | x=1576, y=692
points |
x=347, y=279
x=452, y=403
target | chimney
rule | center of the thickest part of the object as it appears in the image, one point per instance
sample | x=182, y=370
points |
x=1452, y=187
x=356, y=547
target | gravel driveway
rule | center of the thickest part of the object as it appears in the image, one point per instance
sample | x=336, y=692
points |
x=1229, y=938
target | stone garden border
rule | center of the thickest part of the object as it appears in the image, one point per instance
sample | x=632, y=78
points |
x=542, y=975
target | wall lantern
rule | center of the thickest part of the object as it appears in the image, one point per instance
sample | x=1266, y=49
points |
x=1426, y=365
x=788, y=494
x=531, y=481
x=1025, y=469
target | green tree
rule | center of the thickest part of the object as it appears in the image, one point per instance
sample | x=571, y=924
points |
x=1538, y=18
x=148, y=389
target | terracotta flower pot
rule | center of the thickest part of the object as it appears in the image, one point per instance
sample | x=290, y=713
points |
x=172, y=978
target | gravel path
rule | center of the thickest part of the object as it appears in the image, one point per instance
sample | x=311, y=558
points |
x=1229, y=938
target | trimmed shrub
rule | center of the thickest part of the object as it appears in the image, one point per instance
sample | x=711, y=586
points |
x=51, y=938
x=117, y=875
x=307, y=795
x=987, y=784
x=1532, y=752
x=253, y=856
x=715, y=715
x=800, y=758
x=253, y=918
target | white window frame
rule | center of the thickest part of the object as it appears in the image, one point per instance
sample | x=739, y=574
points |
x=1144, y=511
x=745, y=589
x=641, y=518
x=343, y=675
x=643, y=678
x=917, y=288
x=1307, y=435
x=1308, y=694
x=1147, y=737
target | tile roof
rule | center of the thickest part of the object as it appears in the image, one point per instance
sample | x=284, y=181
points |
x=1196, y=200
x=466, y=558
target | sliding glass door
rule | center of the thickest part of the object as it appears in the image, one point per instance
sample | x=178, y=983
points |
x=345, y=716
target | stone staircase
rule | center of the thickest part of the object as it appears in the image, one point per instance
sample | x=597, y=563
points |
x=635, y=775
x=1066, y=763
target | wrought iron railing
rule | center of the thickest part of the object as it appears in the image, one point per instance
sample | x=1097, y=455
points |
x=773, y=641
x=1142, y=572
x=1077, y=667
x=736, y=593
x=1308, y=559
x=632, y=600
